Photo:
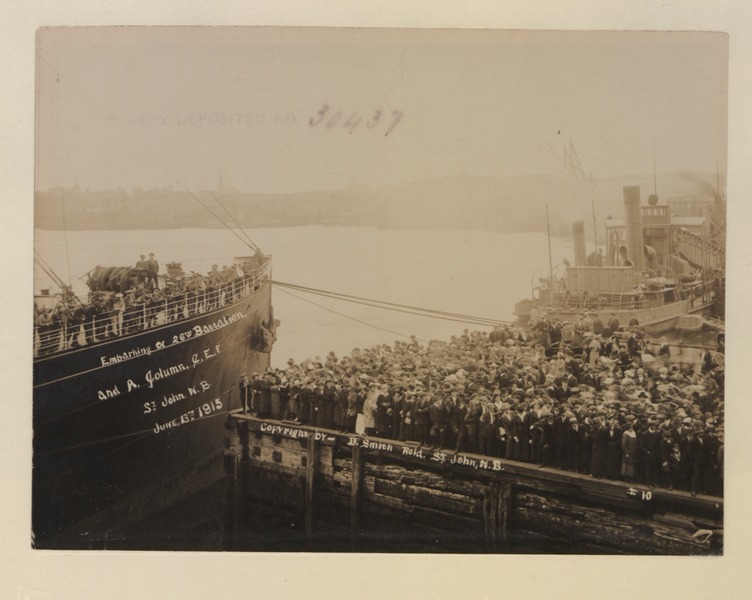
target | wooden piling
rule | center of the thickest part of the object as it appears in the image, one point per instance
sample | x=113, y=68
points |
x=245, y=451
x=407, y=490
x=505, y=502
x=355, y=490
x=232, y=503
x=491, y=513
x=311, y=460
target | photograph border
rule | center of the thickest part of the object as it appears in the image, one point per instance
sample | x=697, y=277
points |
x=50, y=575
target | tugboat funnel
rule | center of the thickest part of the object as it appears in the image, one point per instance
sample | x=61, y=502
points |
x=578, y=232
x=633, y=222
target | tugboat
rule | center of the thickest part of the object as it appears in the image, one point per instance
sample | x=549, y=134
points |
x=130, y=398
x=654, y=272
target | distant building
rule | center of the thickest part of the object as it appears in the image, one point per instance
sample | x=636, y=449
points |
x=690, y=206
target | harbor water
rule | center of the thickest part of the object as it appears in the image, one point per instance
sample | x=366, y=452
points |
x=479, y=273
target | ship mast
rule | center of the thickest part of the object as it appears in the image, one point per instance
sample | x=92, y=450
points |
x=595, y=226
x=550, y=262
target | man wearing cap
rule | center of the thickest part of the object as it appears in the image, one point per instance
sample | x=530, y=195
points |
x=535, y=436
x=486, y=428
x=471, y=421
x=352, y=408
x=577, y=436
x=598, y=453
x=712, y=445
x=152, y=269
x=306, y=400
x=395, y=418
x=117, y=309
x=613, y=324
x=649, y=444
x=629, y=451
x=670, y=461
x=407, y=418
x=383, y=413
x=94, y=317
x=523, y=425
x=458, y=424
x=693, y=451
x=293, y=401
x=422, y=419
x=544, y=429
x=340, y=407
x=558, y=454
x=613, y=450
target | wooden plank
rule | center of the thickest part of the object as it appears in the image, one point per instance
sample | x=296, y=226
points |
x=639, y=540
x=604, y=527
x=293, y=475
x=290, y=452
x=325, y=466
x=495, y=499
x=431, y=498
x=446, y=521
x=426, y=479
x=273, y=488
x=398, y=505
x=390, y=516
x=508, y=470
x=343, y=478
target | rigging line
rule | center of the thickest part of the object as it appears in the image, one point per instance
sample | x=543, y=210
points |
x=59, y=282
x=48, y=269
x=348, y=317
x=412, y=312
x=67, y=252
x=409, y=312
x=51, y=275
x=150, y=157
x=235, y=233
x=562, y=162
x=237, y=224
x=428, y=310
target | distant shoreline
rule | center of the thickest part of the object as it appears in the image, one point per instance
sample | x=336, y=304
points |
x=407, y=227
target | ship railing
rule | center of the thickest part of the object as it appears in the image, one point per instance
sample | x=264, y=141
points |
x=50, y=339
x=598, y=303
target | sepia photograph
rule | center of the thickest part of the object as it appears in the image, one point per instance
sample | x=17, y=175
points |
x=444, y=291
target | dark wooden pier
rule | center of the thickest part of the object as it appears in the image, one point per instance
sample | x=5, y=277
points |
x=293, y=487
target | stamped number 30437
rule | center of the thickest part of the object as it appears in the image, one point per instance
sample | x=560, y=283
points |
x=335, y=118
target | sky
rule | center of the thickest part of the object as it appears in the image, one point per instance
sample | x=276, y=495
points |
x=296, y=109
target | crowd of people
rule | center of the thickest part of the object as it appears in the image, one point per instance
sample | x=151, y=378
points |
x=143, y=299
x=591, y=403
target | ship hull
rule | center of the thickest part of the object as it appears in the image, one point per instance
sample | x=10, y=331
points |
x=129, y=426
x=656, y=320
